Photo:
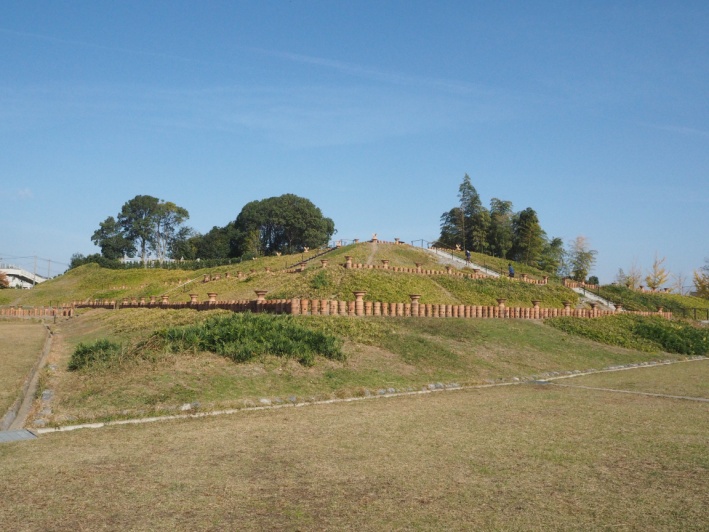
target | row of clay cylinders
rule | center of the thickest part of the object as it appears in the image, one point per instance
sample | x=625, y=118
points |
x=359, y=303
x=260, y=297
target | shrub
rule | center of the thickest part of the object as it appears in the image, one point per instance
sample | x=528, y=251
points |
x=243, y=337
x=100, y=352
x=644, y=333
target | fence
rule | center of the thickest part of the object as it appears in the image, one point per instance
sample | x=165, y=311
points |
x=359, y=307
x=37, y=312
x=697, y=314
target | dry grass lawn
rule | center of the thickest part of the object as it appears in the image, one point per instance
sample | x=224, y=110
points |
x=693, y=376
x=522, y=457
x=20, y=347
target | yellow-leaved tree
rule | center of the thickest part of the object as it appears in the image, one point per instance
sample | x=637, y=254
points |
x=701, y=280
x=658, y=274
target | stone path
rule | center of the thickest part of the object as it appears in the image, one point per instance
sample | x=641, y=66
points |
x=7, y=436
x=370, y=259
x=446, y=258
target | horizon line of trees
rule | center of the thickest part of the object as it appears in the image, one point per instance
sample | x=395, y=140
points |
x=514, y=236
x=154, y=229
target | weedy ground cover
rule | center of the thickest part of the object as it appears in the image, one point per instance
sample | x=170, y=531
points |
x=243, y=337
x=379, y=353
x=649, y=301
x=516, y=458
x=645, y=333
x=21, y=345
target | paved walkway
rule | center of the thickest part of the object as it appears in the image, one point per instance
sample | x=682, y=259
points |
x=7, y=436
x=444, y=257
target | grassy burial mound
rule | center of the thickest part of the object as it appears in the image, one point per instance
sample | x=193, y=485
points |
x=278, y=276
x=135, y=362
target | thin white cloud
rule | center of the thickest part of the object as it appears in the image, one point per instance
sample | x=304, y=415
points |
x=85, y=44
x=24, y=194
x=455, y=86
x=684, y=130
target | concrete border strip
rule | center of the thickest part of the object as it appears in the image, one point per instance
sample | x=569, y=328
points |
x=631, y=392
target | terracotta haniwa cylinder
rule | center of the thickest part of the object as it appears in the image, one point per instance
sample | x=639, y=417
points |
x=359, y=302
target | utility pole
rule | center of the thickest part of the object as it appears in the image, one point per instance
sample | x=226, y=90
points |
x=34, y=272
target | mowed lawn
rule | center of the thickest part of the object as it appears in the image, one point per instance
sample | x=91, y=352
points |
x=522, y=457
x=21, y=345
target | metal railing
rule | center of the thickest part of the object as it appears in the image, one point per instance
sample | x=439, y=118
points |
x=697, y=314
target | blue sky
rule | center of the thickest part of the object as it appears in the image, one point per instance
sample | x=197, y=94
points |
x=595, y=114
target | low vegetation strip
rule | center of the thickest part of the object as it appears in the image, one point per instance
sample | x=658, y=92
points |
x=644, y=333
x=243, y=337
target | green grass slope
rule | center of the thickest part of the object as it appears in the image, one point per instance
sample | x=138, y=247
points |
x=333, y=282
x=648, y=301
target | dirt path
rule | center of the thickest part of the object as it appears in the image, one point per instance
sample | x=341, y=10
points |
x=30, y=390
x=370, y=259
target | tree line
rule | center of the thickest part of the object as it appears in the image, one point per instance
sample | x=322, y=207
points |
x=518, y=236
x=151, y=228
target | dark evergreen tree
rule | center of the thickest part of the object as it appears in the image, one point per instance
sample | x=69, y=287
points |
x=553, y=256
x=500, y=234
x=528, y=237
x=451, y=228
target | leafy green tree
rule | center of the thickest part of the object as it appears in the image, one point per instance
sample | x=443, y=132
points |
x=468, y=224
x=581, y=258
x=451, y=228
x=500, y=234
x=480, y=224
x=137, y=222
x=110, y=238
x=144, y=224
x=184, y=245
x=527, y=237
x=285, y=224
x=553, y=258
x=167, y=219
x=474, y=224
x=77, y=259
